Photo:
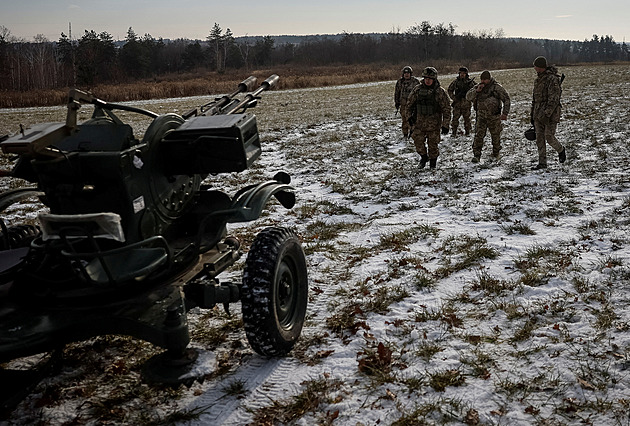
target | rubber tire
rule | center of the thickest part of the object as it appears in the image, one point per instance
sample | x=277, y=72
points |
x=19, y=236
x=275, y=292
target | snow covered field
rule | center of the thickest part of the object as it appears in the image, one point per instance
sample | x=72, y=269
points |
x=474, y=294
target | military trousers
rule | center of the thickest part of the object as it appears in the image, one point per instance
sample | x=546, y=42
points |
x=464, y=112
x=483, y=124
x=427, y=138
x=405, y=118
x=546, y=134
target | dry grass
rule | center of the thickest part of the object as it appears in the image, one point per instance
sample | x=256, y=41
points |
x=205, y=82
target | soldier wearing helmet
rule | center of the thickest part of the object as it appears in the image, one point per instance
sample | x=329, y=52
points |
x=429, y=110
x=492, y=103
x=404, y=85
x=461, y=107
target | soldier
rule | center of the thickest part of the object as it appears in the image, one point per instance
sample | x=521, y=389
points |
x=461, y=107
x=545, y=113
x=492, y=103
x=404, y=85
x=428, y=109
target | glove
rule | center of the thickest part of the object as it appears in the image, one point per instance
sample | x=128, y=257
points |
x=444, y=130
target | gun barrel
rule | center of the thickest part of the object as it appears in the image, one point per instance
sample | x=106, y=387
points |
x=246, y=85
x=269, y=83
x=216, y=106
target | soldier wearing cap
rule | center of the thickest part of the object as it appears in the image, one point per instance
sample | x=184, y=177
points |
x=545, y=112
x=404, y=85
x=429, y=110
x=492, y=103
x=461, y=107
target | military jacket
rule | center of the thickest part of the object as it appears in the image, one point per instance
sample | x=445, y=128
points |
x=430, y=105
x=492, y=100
x=403, y=89
x=457, y=90
x=546, y=97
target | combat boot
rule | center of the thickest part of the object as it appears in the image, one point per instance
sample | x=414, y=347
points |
x=423, y=160
x=562, y=155
x=433, y=163
x=540, y=166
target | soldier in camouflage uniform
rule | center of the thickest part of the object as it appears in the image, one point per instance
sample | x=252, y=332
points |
x=429, y=110
x=461, y=106
x=545, y=113
x=404, y=86
x=492, y=103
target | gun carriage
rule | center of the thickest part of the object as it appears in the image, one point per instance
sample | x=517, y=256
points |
x=134, y=238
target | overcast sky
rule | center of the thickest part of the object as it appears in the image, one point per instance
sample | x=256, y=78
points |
x=193, y=19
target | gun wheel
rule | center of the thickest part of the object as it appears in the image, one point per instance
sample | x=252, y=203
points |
x=274, y=293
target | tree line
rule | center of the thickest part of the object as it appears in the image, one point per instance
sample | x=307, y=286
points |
x=96, y=58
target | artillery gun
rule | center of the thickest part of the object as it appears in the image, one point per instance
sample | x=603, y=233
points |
x=134, y=238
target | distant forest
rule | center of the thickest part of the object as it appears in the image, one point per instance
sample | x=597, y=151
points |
x=96, y=58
